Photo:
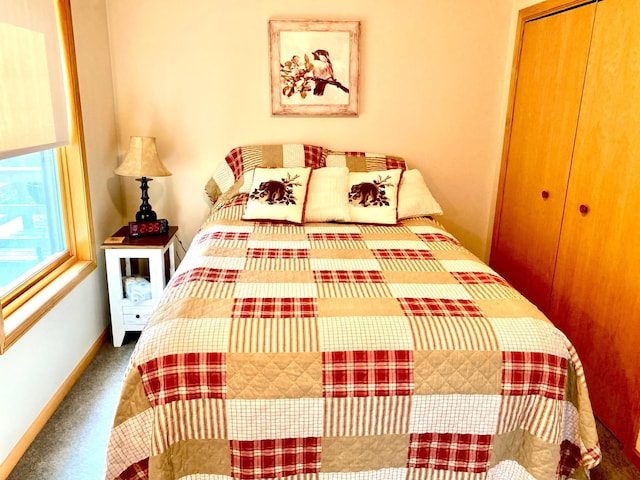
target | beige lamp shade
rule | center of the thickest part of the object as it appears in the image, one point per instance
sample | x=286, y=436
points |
x=142, y=160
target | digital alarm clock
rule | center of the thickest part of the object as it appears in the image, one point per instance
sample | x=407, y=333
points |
x=153, y=227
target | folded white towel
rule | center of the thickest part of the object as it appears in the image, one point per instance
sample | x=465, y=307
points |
x=137, y=289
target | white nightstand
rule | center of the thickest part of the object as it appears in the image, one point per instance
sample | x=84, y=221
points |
x=159, y=253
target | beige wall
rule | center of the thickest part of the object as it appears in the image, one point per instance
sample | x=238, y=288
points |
x=35, y=367
x=194, y=73
x=520, y=4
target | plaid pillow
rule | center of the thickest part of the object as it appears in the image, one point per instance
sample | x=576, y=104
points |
x=364, y=162
x=228, y=178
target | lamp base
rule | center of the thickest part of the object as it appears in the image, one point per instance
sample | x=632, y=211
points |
x=147, y=216
x=145, y=212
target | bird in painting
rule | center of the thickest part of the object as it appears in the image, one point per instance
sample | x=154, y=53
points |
x=322, y=70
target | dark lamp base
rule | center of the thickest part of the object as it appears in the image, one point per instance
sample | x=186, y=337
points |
x=146, y=216
x=145, y=212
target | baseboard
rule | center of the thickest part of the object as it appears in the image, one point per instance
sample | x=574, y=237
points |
x=38, y=424
x=633, y=454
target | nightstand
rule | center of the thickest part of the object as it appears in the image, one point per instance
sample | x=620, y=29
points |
x=151, y=257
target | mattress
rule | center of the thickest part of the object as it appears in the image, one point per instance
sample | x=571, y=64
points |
x=347, y=351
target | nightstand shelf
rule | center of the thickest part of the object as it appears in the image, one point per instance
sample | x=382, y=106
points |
x=151, y=257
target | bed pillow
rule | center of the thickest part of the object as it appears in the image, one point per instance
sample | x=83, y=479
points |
x=415, y=198
x=373, y=196
x=328, y=195
x=247, y=181
x=278, y=194
x=363, y=162
x=229, y=176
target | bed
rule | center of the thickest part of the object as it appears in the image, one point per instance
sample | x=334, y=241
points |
x=352, y=339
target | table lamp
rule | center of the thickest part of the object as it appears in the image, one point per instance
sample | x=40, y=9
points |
x=142, y=161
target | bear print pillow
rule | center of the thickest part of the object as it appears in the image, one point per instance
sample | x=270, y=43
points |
x=373, y=196
x=278, y=194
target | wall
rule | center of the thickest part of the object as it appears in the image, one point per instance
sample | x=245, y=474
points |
x=520, y=4
x=35, y=367
x=195, y=74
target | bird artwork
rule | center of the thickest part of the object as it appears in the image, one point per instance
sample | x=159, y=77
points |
x=311, y=75
x=323, y=72
x=318, y=62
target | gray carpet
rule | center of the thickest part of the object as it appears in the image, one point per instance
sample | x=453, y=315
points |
x=73, y=443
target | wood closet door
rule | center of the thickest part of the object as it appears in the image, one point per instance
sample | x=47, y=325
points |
x=545, y=111
x=596, y=292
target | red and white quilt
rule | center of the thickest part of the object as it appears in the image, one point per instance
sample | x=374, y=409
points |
x=347, y=351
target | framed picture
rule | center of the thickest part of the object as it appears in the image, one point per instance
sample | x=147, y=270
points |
x=314, y=67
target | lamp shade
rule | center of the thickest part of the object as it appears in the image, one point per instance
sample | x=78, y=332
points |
x=142, y=160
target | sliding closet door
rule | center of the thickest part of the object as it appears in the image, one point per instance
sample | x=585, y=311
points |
x=596, y=293
x=546, y=103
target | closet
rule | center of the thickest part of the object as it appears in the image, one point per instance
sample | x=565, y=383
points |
x=567, y=224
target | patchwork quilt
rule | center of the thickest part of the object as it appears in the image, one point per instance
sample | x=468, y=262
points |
x=347, y=351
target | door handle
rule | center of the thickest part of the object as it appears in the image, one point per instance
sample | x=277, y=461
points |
x=584, y=209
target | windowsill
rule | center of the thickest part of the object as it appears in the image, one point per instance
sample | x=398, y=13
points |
x=25, y=316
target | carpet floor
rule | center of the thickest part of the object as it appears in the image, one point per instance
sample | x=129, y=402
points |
x=73, y=443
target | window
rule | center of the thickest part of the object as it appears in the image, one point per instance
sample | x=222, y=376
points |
x=46, y=237
x=32, y=233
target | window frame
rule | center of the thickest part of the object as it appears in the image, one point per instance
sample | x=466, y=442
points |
x=45, y=290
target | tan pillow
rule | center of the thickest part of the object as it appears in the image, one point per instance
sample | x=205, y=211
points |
x=415, y=198
x=328, y=195
x=363, y=161
x=278, y=194
x=373, y=196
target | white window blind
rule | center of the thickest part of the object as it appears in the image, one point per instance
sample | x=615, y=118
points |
x=33, y=104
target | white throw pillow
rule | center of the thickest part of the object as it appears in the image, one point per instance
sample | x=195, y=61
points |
x=415, y=199
x=328, y=195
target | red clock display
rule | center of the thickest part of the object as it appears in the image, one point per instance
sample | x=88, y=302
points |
x=143, y=229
